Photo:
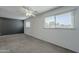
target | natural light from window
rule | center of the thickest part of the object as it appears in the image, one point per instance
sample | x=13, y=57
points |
x=64, y=20
x=27, y=24
x=50, y=22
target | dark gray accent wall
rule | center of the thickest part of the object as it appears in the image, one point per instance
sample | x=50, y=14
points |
x=11, y=26
x=0, y=27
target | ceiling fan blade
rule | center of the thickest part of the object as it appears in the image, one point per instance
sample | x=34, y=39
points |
x=29, y=11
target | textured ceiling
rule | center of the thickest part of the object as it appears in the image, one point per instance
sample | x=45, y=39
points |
x=17, y=12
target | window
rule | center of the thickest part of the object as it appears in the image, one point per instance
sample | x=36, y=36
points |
x=64, y=20
x=50, y=22
x=27, y=24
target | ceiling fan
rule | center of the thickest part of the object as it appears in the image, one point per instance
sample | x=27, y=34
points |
x=29, y=11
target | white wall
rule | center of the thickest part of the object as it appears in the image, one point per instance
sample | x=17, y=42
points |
x=68, y=38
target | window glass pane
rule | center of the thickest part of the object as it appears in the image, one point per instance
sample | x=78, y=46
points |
x=50, y=22
x=27, y=24
x=64, y=20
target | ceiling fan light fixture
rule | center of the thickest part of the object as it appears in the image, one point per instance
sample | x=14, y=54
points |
x=29, y=12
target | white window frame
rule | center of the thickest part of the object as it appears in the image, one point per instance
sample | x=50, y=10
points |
x=73, y=20
x=27, y=24
x=45, y=22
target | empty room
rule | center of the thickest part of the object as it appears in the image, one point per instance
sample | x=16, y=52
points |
x=39, y=29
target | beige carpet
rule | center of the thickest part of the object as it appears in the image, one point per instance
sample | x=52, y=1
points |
x=20, y=43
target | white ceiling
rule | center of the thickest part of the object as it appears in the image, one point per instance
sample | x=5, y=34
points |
x=17, y=12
